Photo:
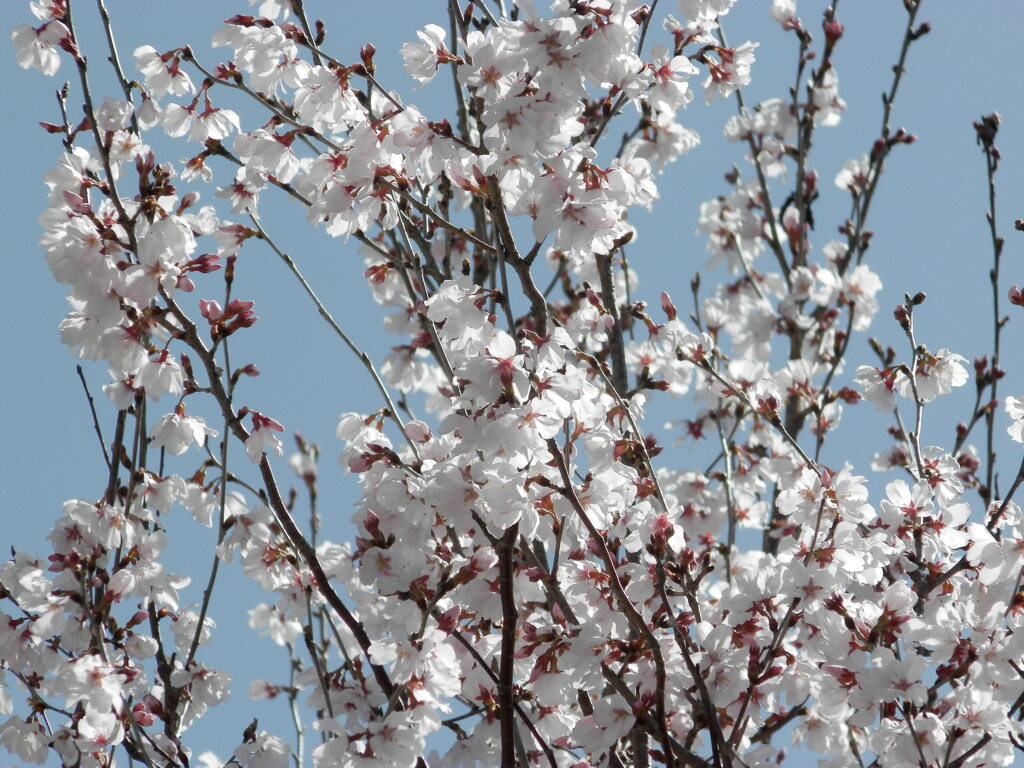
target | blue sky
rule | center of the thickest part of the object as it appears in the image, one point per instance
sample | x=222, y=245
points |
x=930, y=235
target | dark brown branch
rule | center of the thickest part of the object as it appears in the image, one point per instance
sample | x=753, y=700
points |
x=506, y=668
x=616, y=342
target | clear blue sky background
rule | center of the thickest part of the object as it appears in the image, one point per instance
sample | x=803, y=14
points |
x=928, y=219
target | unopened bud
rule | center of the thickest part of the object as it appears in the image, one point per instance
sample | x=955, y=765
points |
x=902, y=315
x=833, y=30
x=366, y=55
x=641, y=14
x=987, y=128
x=667, y=306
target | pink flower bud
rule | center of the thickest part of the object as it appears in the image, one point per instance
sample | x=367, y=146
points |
x=210, y=309
x=417, y=431
x=259, y=421
x=833, y=30
x=141, y=716
x=668, y=307
x=205, y=263
x=449, y=620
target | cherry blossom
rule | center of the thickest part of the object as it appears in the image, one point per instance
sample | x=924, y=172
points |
x=936, y=374
x=729, y=72
x=35, y=46
x=263, y=437
x=531, y=570
x=176, y=432
x=1015, y=409
x=163, y=73
x=423, y=59
x=264, y=751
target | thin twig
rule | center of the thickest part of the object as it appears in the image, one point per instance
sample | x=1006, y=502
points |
x=95, y=421
x=987, y=128
x=115, y=62
x=364, y=358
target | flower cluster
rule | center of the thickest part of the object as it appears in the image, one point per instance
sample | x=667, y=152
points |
x=526, y=572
